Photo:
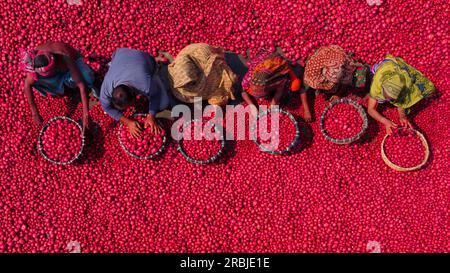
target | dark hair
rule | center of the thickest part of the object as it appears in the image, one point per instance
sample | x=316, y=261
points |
x=122, y=96
x=41, y=61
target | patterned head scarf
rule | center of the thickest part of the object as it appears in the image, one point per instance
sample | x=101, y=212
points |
x=270, y=71
x=200, y=70
x=27, y=63
x=262, y=77
x=393, y=84
x=327, y=67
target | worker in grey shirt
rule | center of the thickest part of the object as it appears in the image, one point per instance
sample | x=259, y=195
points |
x=132, y=73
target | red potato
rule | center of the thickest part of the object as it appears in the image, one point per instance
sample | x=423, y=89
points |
x=62, y=140
x=277, y=140
x=144, y=146
x=326, y=198
x=404, y=148
x=196, y=145
x=343, y=121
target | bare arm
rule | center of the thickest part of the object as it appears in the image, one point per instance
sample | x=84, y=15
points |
x=77, y=77
x=372, y=110
x=251, y=101
x=404, y=121
x=401, y=112
x=306, y=111
x=278, y=95
x=153, y=107
x=29, y=81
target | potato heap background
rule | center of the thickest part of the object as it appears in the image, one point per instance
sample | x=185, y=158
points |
x=323, y=198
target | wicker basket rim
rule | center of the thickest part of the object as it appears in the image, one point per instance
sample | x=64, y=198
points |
x=403, y=169
x=361, y=112
x=44, y=128
x=294, y=142
x=160, y=150
x=212, y=159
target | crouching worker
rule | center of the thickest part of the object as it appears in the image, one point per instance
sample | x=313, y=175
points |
x=334, y=72
x=133, y=73
x=200, y=70
x=397, y=82
x=267, y=77
x=53, y=67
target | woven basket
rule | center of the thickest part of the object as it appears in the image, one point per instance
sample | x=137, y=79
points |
x=362, y=114
x=291, y=146
x=402, y=169
x=210, y=160
x=160, y=150
x=41, y=149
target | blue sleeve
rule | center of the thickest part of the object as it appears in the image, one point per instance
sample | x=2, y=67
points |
x=107, y=106
x=158, y=97
x=153, y=103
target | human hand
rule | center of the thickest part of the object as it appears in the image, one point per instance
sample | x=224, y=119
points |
x=85, y=121
x=404, y=122
x=307, y=115
x=37, y=118
x=150, y=122
x=135, y=128
x=390, y=126
x=334, y=97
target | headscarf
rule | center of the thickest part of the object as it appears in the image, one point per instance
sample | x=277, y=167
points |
x=252, y=63
x=404, y=84
x=393, y=84
x=270, y=71
x=27, y=63
x=200, y=70
x=329, y=66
